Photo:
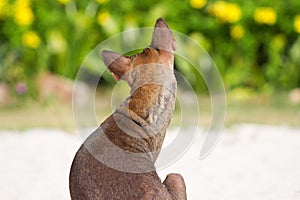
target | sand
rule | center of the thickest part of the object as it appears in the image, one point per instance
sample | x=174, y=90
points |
x=249, y=162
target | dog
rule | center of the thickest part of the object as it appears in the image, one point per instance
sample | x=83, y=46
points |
x=117, y=160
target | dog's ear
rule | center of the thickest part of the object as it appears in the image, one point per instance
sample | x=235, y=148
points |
x=117, y=64
x=162, y=37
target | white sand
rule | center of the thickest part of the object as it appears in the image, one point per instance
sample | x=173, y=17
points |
x=249, y=162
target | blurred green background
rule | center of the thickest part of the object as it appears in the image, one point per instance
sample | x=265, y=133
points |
x=255, y=44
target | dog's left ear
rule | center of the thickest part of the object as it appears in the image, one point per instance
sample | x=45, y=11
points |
x=117, y=64
x=162, y=37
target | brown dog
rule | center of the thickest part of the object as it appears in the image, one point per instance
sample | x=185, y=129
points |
x=117, y=160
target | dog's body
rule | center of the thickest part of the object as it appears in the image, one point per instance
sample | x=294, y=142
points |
x=117, y=160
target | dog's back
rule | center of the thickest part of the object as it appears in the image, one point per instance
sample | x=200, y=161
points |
x=117, y=160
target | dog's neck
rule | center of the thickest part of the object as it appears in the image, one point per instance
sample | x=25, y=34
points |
x=134, y=134
x=152, y=101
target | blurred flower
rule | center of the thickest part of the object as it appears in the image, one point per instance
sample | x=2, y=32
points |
x=226, y=12
x=265, y=15
x=237, y=32
x=102, y=1
x=3, y=4
x=297, y=23
x=24, y=17
x=21, y=88
x=197, y=3
x=103, y=17
x=23, y=14
x=56, y=42
x=22, y=3
x=31, y=39
x=63, y=1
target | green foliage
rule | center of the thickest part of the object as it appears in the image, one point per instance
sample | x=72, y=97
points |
x=253, y=48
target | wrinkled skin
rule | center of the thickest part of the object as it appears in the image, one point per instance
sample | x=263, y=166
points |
x=117, y=160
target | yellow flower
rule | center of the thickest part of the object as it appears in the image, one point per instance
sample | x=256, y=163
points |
x=234, y=13
x=31, y=39
x=63, y=1
x=226, y=12
x=24, y=17
x=3, y=4
x=197, y=3
x=23, y=14
x=103, y=17
x=102, y=1
x=22, y=3
x=237, y=32
x=265, y=15
x=297, y=23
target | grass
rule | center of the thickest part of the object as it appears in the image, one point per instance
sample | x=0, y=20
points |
x=258, y=108
x=272, y=110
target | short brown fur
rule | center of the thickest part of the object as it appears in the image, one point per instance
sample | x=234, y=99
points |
x=146, y=114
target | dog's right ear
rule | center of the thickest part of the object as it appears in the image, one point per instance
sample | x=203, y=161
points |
x=117, y=64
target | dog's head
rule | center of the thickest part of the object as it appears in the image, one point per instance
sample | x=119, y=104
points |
x=159, y=53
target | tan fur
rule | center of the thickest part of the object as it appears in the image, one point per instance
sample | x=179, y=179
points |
x=117, y=160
